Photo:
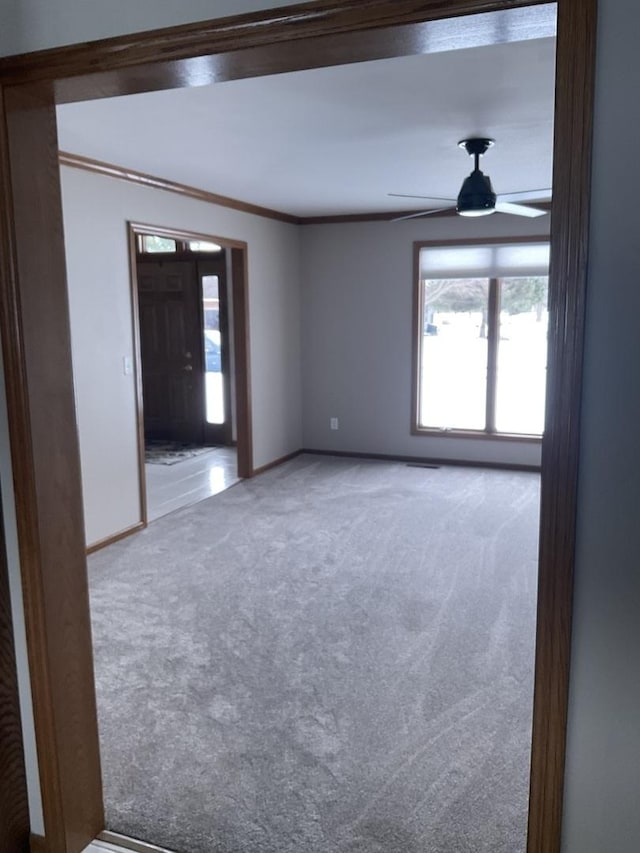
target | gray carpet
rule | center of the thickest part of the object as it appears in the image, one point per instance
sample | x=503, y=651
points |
x=335, y=657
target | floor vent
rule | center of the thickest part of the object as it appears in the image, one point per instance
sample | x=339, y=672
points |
x=421, y=465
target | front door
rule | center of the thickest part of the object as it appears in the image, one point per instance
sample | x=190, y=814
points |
x=171, y=348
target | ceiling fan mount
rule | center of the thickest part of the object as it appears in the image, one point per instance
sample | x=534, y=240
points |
x=476, y=197
x=476, y=146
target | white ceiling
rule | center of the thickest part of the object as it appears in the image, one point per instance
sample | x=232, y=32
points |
x=338, y=140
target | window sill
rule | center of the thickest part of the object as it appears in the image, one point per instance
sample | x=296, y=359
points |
x=482, y=435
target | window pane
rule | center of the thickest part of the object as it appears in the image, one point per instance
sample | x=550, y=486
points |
x=203, y=246
x=453, y=369
x=522, y=356
x=214, y=388
x=153, y=243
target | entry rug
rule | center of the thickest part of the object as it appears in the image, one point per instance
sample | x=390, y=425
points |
x=171, y=452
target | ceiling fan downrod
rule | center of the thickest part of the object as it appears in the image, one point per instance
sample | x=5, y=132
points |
x=476, y=147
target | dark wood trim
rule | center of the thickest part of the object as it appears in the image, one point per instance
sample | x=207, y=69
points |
x=379, y=216
x=478, y=241
x=116, y=537
x=137, y=374
x=493, y=337
x=417, y=307
x=267, y=42
x=34, y=318
x=423, y=460
x=240, y=298
x=575, y=72
x=14, y=801
x=182, y=235
x=38, y=844
x=276, y=462
x=242, y=353
x=34, y=324
x=388, y=216
x=121, y=173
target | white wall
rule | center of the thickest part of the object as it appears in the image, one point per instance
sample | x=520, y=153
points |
x=96, y=210
x=35, y=24
x=357, y=336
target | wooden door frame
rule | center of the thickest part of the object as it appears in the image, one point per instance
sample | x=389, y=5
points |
x=242, y=352
x=34, y=322
x=14, y=807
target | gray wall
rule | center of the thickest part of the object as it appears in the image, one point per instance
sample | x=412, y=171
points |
x=102, y=328
x=358, y=282
x=17, y=608
x=603, y=761
x=604, y=736
x=357, y=336
x=36, y=24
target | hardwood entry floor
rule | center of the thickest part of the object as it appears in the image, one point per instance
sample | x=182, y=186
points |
x=170, y=487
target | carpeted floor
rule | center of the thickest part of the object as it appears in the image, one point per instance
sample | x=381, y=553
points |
x=335, y=657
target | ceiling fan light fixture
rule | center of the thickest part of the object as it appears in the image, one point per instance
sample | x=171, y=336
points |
x=476, y=197
x=485, y=211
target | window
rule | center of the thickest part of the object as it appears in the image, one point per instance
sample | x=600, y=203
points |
x=203, y=246
x=212, y=339
x=151, y=243
x=481, y=328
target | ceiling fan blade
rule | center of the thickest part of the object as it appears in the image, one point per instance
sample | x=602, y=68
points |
x=431, y=197
x=421, y=213
x=519, y=209
x=526, y=195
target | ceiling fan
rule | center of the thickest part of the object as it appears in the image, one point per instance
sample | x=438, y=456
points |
x=477, y=198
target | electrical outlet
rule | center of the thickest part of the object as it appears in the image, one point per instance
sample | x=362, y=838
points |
x=333, y=423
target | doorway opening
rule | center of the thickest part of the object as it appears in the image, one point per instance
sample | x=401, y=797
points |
x=187, y=340
x=37, y=355
x=130, y=806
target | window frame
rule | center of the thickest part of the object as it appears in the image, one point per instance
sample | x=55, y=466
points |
x=489, y=433
x=183, y=246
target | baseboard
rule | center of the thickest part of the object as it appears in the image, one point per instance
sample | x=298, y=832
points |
x=276, y=462
x=110, y=540
x=425, y=460
x=38, y=844
x=114, y=842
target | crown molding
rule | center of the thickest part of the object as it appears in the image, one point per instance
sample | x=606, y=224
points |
x=390, y=215
x=111, y=170
x=122, y=173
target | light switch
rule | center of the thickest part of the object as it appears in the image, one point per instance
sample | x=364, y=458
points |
x=127, y=365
